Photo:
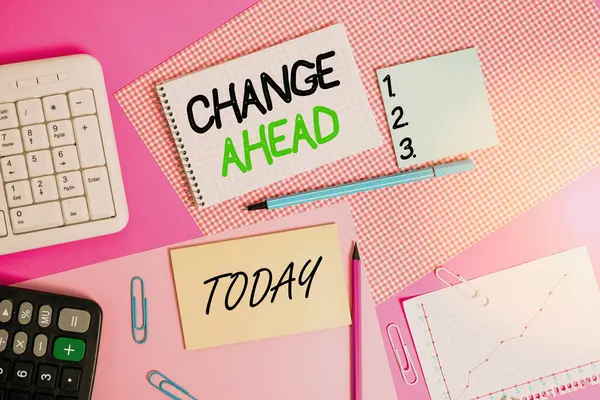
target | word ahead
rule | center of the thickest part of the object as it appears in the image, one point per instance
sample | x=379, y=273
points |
x=241, y=279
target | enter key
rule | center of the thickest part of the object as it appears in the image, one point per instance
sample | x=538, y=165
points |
x=97, y=188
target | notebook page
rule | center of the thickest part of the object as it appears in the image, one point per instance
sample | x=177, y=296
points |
x=538, y=332
x=327, y=116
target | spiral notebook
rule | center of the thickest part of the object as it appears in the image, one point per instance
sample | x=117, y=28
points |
x=537, y=336
x=269, y=115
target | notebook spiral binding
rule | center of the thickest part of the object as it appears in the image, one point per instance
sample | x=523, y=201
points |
x=193, y=191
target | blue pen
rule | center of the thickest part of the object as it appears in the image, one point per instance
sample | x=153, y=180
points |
x=363, y=186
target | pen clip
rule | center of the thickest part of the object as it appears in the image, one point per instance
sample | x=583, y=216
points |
x=165, y=383
x=410, y=365
x=468, y=290
x=135, y=327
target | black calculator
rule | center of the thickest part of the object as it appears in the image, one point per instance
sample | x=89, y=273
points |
x=48, y=345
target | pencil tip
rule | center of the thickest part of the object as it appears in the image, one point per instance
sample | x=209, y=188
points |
x=355, y=255
x=244, y=208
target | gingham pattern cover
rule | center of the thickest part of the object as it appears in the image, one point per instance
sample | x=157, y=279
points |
x=541, y=62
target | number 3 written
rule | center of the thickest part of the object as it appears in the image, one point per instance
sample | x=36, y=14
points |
x=406, y=144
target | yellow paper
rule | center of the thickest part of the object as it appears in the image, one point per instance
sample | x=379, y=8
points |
x=216, y=310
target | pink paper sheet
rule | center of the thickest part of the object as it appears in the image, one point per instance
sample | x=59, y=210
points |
x=313, y=366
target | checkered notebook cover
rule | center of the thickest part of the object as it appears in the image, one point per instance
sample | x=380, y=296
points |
x=541, y=66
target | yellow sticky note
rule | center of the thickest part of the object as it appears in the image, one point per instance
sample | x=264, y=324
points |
x=260, y=287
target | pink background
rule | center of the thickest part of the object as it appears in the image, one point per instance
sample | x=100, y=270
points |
x=128, y=38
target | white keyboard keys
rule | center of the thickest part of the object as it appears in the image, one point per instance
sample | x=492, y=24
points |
x=30, y=112
x=39, y=163
x=10, y=143
x=18, y=194
x=89, y=142
x=8, y=116
x=69, y=184
x=44, y=189
x=36, y=217
x=61, y=133
x=35, y=137
x=13, y=168
x=65, y=158
x=82, y=102
x=56, y=107
x=97, y=188
x=75, y=210
x=3, y=228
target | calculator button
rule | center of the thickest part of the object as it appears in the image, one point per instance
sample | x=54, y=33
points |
x=40, y=345
x=8, y=116
x=18, y=194
x=70, y=379
x=25, y=313
x=30, y=112
x=13, y=168
x=36, y=217
x=98, y=192
x=44, y=189
x=82, y=102
x=65, y=158
x=4, y=364
x=22, y=373
x=45, y=316
x=3, y=229
x=10, y=143
x=89, y=142
x=46, y=376
x=18, y=396
x=75, y=210
x=69, y=349
x=69, y=184
x=35, y=137
x=56, y=107
x=3, y=339
x=39, y=163
x=72, y=320
x=61, y=133
x=20, y=343
x=6, y=308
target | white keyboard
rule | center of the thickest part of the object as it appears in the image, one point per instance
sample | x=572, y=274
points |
x=60, y=178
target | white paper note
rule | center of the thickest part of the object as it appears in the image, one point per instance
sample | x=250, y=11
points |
x=538, y=334
x=437, y=107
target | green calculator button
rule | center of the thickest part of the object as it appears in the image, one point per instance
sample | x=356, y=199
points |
x=69, y=349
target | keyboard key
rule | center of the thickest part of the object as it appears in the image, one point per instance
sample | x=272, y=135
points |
x=82, y=102
x=89, y=142
x=75, y=210
x=69, y=349
x=56, y=107
x=18, y=194
x=42, y=397
x=20, y=343
x=44, y=189
x=35, y=137
x=61, y=133
x=12, y=395
x=3, y=339
x=6, y=309
x=4, y=364
x=2, y=396
x=3, y=228
x=69, y=380
x=13, y=168
x=65, y=158
x=22, y=373
x=45, y=316
x=25, y=313
x=10, y=143
x=30, y=112
x=69, y=184
x=40, y=345
x=8, y=116
x=72, y=320
x=36, y=217
x=39, y=163
x=99, y=197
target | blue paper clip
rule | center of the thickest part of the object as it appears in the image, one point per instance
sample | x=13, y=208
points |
x=165, y=385
x=134, y=320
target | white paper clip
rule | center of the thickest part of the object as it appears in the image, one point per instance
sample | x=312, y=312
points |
x=410, y=366
x=468, y=290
